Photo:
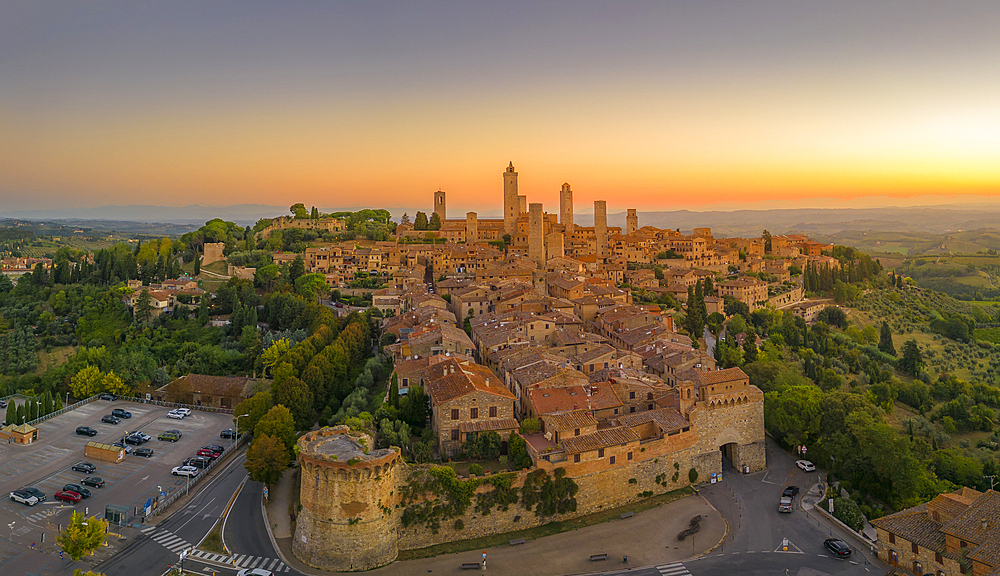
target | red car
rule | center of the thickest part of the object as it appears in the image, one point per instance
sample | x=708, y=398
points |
x=207, y=454
x=68, y=496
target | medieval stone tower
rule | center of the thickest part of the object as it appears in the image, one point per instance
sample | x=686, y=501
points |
x=471, y=227
x=631, y=222
x=440, y=205
x=511, y=204
x=536, y=235
x=347, y=496
x=601, y=227
x=566, y=208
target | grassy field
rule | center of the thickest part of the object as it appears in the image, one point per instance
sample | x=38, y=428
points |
x=987, y=334
x=55, y=357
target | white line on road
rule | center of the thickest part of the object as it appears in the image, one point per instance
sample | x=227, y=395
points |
x=195, y=515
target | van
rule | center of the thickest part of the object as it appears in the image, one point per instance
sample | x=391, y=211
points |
x=785, y=505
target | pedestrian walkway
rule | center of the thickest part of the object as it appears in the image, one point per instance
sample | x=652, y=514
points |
x=167, y=539
x=673, y=569
x=243, y=561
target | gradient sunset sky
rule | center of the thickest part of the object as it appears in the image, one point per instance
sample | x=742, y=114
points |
x=657, y=105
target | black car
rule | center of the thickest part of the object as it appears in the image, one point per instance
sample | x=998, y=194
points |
x=839, y=548
x=198, y=462
x=35, y=492
x=228, y=434
x=95, y=481
x=134, y=440
x=146, y=452
x=109, y=419
x=175, y=431
x=791, y=492
x=85, y=467
x=121, y=413
x=86, y=431
x=106, y=396
x=214, y=448
x=78, y=489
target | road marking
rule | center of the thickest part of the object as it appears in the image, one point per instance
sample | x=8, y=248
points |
x=672, y=569
x=144, y=478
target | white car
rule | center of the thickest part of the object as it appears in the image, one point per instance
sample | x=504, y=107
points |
x=188, y=471
x=254, y=572
x=175, y=415
x=806, y=465
x=23, y=497
x=184, y=411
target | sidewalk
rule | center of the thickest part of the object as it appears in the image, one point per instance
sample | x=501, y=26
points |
x=648, y=538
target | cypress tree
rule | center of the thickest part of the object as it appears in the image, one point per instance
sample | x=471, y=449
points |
x=885, y=340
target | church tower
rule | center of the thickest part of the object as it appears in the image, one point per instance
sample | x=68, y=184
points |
x=511, y=203
x=440, y=205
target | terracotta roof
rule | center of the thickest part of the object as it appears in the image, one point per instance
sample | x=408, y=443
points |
x=721, y=376
x=601, y=439
x=668, y=419
x=569, y=420
x=969, y=525
x=489, y=425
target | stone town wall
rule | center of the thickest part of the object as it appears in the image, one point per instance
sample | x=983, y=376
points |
x=736, y=421
x=213, y=253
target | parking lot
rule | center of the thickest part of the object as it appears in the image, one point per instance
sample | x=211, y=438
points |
x=46, y=464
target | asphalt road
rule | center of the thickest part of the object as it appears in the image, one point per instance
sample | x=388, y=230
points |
x=149, y=553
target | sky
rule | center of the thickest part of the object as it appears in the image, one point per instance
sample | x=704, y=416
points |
x=649, y=105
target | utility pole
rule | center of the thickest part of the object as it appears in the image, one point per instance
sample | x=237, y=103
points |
x=992, y=478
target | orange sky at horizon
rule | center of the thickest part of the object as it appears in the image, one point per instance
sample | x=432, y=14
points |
x=158, y=111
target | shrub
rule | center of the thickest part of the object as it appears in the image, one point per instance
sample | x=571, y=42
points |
x=692, y=475
x=476, y=470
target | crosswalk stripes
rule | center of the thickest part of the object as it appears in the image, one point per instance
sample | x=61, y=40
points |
x=243, y=561
x=168, y=540
x=673, y=569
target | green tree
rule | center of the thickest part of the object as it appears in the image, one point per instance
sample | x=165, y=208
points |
x=143, y=309
x=298, y=210
x=256, y=406
x=274, y=353
x=394, y=391
x=912, y=361
x=750, y=348
x=435, y=222
x=296, y=269
x=82, y=536
x=297, y=397
x=420, y=221
x=280, y=423
x=885, y=340
x=267, y=459
x=197, y=263
x=110, y=382
x=87, y=382
x=11, y=413
x=310, y=285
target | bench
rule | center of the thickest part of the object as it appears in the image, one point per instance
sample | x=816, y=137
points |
x=517, y=541
x=596, y=557
x=471, y=566
x=628, y=515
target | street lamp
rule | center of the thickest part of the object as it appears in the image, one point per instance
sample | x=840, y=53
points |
x=236, y=435
x=11, y=526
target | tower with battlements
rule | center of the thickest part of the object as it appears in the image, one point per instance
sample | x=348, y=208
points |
x=601, y=227
x=566, y=208
x=511, y=203
x=631, y=222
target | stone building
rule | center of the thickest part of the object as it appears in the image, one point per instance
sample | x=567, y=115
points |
x=347, y=492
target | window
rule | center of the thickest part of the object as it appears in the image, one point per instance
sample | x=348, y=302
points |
x=650, y=407
x=938, y=558
x=576, y=458
x=406, y=382
x=591, y=367
x=454, y=413
x=649, y=395
x=600, y=453
x=892, y=538
x=917, y=567
x=631, y=395
x=474, y=413
x=616, y=411
x=493, y=411
x=612, y=460
x=454, y=434
x=631, y=409
x=576, y=432
x=629, y=455
x=914, y=547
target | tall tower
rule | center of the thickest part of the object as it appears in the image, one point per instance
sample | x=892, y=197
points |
x=471, y=228
x=566, y=207
x=631, y=222
x=440, y=205
x=536, y=234
x=601, y=227
x=511, y=204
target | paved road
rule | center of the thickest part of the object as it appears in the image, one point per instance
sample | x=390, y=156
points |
x=246, y=533
x=157, y=546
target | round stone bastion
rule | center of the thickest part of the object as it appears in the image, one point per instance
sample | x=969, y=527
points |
x=348, y=493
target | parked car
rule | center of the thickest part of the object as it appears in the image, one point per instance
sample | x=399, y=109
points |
x=134, y=440
x=184, y=411
x=791, y=492
x=78, y=489
x=3, y=403
x=86, y=431
x=145, y=437
x=168, y=437
x=806, y=465
x=94, y=481
x=106, y=396
x=109, y=419
x=214, y=448
x=68, y=496
x=85, y=467
x=145, y=452
x=229, y=434
x=26, y=498
x=36, y=493
x=785, y=505
x=121, y=413
x=125, y=447
x=198, y=462
x=175, y=415
x=175, y=431
x=839, y=548
x=188, y=471
x=207, y=454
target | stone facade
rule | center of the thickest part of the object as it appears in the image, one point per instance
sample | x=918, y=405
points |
x=213, y=253
x=566, y=207
x=348, y=496
x=536, y=235
x=511, y=204
x=601, y=227
x=631, y=222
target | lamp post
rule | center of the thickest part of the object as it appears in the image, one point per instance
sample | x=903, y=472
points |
x=11, y=526
x=236, y=435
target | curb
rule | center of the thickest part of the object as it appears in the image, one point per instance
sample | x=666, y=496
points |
x=270, y=535
x=724, y=536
